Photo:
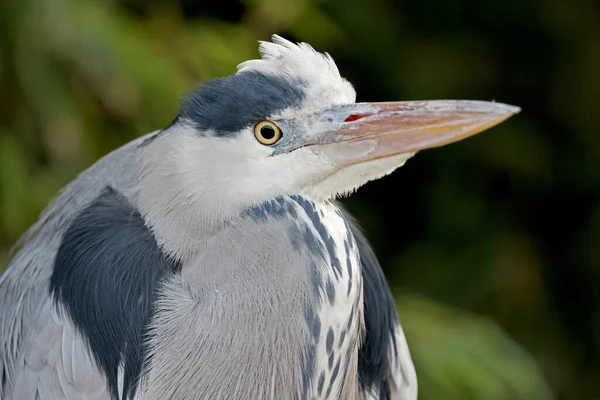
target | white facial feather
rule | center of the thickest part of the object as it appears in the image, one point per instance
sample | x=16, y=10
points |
x=323, y=83
x=344, y=181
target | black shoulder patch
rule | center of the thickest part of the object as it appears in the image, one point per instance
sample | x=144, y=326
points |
x=380, y=316
x=106, y=274
x=227, y=105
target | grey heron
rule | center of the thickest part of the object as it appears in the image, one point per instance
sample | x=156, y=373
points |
x=211, y=260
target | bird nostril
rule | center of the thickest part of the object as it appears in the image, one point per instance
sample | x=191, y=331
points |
x=354, y=117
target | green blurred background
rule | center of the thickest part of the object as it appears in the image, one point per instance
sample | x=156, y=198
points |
x=492, y=245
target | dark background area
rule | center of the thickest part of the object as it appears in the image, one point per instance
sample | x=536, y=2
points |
x=492, y=245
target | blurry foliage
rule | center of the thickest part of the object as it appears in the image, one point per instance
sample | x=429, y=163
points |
x=505, y=226
x=461, y=356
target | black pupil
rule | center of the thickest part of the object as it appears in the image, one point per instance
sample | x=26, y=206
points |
x=267, y=132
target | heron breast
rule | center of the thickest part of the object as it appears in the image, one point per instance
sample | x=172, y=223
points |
x=334, y=314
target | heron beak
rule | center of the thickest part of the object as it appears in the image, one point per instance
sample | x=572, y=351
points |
x=360, y=132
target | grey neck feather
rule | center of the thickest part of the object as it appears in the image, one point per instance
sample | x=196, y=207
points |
x=182, y=217
x=235, y=317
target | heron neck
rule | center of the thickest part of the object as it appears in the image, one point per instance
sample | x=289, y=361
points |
x=277, y=286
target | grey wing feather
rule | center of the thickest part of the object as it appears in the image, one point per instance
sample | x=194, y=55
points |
x=28, y=344
x=401, y=371
x=56, y=365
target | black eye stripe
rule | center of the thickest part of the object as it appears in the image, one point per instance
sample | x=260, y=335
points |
x=228, y=105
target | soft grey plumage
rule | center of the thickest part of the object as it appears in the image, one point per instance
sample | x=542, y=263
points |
x=202, y=261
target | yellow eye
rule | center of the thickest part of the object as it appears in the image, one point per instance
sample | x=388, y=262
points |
x=267, y=133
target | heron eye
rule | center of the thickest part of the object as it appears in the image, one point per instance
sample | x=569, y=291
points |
x=267, y=133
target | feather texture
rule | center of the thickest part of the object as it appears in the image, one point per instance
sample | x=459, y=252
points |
x=106, y=274
x=385, y=367
x=28, y=318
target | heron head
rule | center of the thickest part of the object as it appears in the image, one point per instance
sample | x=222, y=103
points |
x=288, y=124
